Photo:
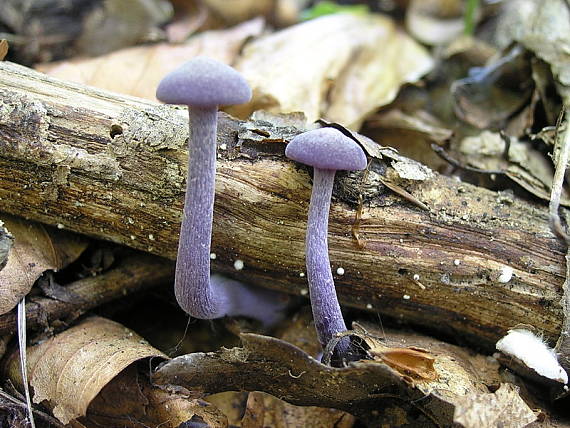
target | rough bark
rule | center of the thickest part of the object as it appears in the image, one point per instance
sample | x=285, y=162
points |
x=114, y=167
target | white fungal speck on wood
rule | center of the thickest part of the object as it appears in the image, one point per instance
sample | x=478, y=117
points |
x=304, y=292
x=238, y=264
x=416, y=277
x=406, y=297
x=340, y=271
x=302, y=274
x=60, y=226
x=533, y=352
x=212, y=256
x=505, y=274
x=369, y=306
x=456, y=262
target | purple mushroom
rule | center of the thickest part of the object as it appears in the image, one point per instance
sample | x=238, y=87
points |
x=326, y=150
x=203, y=85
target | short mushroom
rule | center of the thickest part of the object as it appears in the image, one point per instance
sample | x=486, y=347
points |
x=326, y=150
x=204, y=84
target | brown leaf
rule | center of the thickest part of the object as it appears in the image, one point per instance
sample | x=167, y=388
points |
x=36, y=249
x=136, y=71
x=541, y=27
x=70, y=369
x=435, y=22
x=264, y=410
x=415, y=363
x=239, y=10
x=338, y=67
x=496, y=92
x=6, y=241
x=129, y=400
x=273, y=366
x=504, y=408
x=525, y=165
x=3, y=49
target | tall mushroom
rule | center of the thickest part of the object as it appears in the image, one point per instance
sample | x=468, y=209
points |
x=326, y=150
x=203, y=85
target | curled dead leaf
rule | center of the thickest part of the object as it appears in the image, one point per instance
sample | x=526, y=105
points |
x=339, y=67
x=70, y=369
x=6, y=241
x=3, y=49
x=363, y=388
x=541, y=27
x=415, y=364
x=130, y=401
x=503, y=408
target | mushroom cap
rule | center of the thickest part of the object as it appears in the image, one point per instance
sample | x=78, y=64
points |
x=326, y=148
x=204, y=83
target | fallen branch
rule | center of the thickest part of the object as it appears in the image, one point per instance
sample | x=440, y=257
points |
x=134, y=274
x=474, y=265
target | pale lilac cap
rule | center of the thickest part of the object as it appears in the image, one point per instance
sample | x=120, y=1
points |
x=326, y=148
x=204, y=82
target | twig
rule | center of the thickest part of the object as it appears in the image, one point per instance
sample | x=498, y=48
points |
x=23, y=360
x=404, y=194
x=563, y=146
x=17, y=403
x=133, y=274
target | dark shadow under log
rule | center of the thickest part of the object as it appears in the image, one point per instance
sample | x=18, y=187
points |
x=114, y=167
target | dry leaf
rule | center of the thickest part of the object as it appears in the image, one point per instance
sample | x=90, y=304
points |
x=413, y=363
x=492, y=94
x=419, y=121
x=339, y=67
x=129, y=400
x=6, y=241
x=462, y=378
x=365, y=388
x=504, y=408
x=264, y=410
x=541, y=27
x=115, y=24
x=36, y=249
x=234, y=11
x=435, y=22
x=70, y=369
x=525, y=165
x=136, y=71
x=3, y=49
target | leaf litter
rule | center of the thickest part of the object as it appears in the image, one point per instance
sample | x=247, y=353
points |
x=403, y=374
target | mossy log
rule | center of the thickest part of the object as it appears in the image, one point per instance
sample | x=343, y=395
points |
x=113, y=167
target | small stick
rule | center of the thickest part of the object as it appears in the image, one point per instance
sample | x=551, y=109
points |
x=135, y=273
x=563, y=145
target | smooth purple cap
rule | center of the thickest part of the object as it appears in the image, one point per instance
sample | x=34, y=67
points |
x=326, y=148
x=204, y=83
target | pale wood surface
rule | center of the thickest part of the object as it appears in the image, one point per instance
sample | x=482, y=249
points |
x=113, y=167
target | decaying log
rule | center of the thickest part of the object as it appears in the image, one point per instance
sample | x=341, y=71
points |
x=114, y=167
x=133, y=274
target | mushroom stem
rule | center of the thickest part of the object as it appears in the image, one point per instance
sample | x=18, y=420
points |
x=192, y=280
x=326, y=309
x=197, y=293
